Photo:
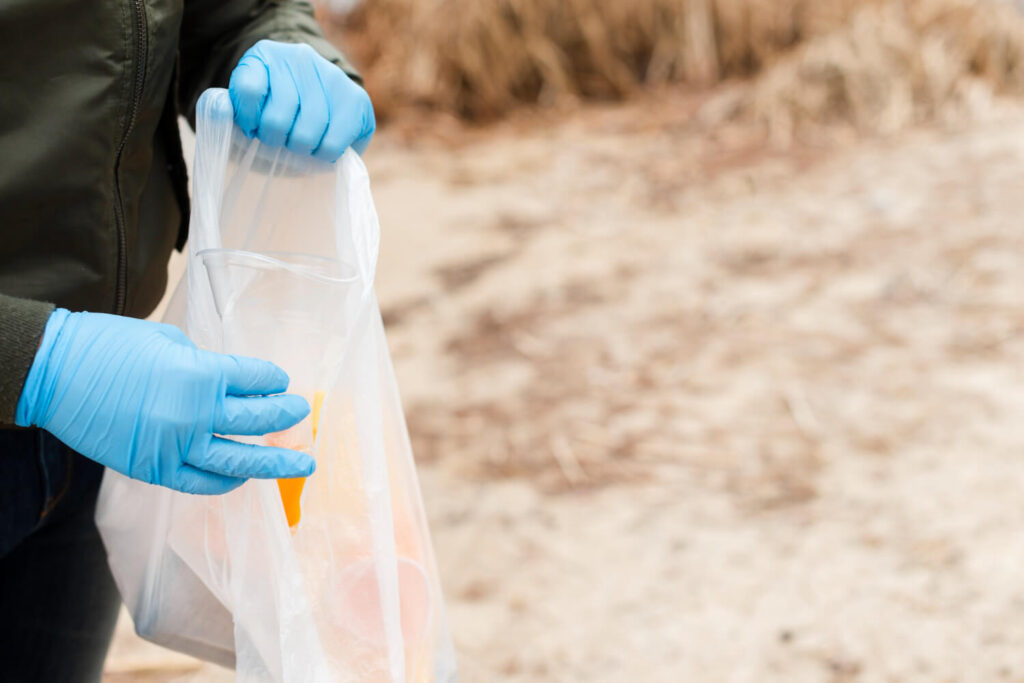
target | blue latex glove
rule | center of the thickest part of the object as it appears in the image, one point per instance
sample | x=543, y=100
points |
x=140, y=398
x=285, y=94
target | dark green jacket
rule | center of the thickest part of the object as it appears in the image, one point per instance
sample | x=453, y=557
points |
x=93, y=190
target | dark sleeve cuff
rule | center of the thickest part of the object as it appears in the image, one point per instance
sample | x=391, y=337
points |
x=21, y=327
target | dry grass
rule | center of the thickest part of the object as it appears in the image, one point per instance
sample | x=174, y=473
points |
x=479, y=59
x=888, y=67
x=874, y=63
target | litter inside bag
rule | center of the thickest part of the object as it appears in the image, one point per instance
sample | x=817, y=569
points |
x=330, y=578
x=281, y=307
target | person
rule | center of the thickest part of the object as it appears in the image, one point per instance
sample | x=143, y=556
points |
x=93, y=198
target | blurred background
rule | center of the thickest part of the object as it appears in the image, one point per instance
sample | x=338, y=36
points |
x=708, y=317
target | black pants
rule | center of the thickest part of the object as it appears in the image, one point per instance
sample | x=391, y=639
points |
x=58, y=601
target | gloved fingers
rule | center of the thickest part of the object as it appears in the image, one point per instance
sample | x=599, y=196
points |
x=345, y=130
x=314, y=116
x=259, y=415
x=280, y=109
x=234, y=459
x=246, y=376
x=248, y=89
x=192, y=480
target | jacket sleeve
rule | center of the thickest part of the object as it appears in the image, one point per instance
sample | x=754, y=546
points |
x=216, y=33
x=21, y=327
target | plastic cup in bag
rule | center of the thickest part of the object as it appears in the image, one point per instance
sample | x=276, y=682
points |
x=279, y=307
x=275, y=306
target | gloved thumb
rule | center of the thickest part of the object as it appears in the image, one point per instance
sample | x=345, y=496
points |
x=248, y=89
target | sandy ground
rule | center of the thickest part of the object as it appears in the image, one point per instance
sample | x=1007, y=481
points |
x=690, y=410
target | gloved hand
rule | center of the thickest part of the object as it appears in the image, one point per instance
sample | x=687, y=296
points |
x=289, y=95
x=140, y=398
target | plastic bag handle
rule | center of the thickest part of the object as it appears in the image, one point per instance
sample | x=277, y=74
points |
x=357, y=229
x=214, y=129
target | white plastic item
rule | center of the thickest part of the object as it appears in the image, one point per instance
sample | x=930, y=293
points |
x=281, y=258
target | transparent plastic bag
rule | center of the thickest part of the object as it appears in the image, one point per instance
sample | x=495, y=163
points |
x=333, y=578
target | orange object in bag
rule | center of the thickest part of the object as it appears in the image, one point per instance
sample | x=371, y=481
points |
x=291, y=489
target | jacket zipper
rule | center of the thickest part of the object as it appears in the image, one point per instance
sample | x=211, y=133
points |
x=141, y=47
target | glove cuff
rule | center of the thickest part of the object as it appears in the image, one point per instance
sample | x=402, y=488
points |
x=35, y=396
